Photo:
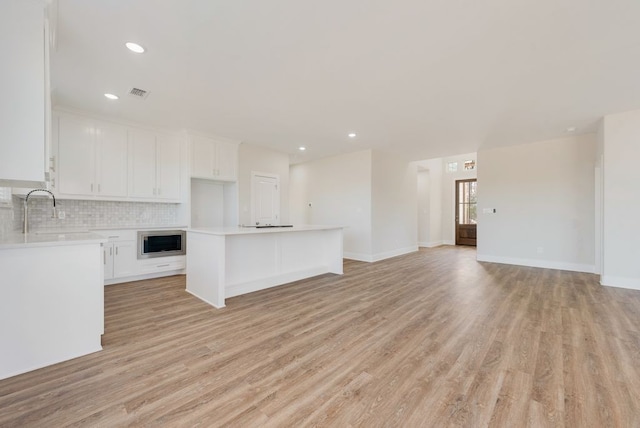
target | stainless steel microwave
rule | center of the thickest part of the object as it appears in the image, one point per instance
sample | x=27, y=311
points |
x=161, y=243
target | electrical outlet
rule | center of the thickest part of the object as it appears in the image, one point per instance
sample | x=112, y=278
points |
x=540, y=250
x=62, y=215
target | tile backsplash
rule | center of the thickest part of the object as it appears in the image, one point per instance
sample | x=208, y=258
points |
x=88, y=214
x=6, y=220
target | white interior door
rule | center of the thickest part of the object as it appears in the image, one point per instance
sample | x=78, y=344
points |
x=265, y=189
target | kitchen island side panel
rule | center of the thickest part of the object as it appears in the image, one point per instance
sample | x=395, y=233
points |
x=51, y=305
x=206, y=267
x=263, y=259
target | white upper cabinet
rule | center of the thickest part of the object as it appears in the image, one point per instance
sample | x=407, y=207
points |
x=91, y=158
x=95, y=159
x=203, y=153
x=142, y=146
x=213, y=159
x=227, y=161
x=23, y=107
x=168, y=167
x=155, y=166
x=75, y=161
x=111, y=160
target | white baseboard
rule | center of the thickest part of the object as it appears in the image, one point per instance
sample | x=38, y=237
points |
x=145, y=276
x=246, y=287
x=360, y=257
x=395, y=253
x=620, y=282
x=78, y=352
x=546, y=264
x=380, y=256
x=448, y=242
x=204, y=300
x=430, y=244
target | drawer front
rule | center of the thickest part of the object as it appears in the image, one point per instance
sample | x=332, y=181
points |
x=161, y=264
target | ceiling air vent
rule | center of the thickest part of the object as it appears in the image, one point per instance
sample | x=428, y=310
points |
x=139, y=93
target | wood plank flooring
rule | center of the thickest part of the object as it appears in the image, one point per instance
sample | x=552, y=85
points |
x=432, y=338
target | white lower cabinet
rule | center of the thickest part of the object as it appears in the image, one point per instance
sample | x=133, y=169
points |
x=121, y=263
x=161, y=264
x=119, y=259
x=119, y=254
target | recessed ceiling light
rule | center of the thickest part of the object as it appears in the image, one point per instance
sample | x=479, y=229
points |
x=111, y=96
x=302, y=148
x=134, y=47
x=571, y=129
x=352, y=135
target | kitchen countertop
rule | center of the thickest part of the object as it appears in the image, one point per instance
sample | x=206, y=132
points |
x=94, y=229
x=178, y=227
x=20, y=240
x=223, y=231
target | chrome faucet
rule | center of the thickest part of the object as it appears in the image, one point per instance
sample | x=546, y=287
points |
x=25, y=227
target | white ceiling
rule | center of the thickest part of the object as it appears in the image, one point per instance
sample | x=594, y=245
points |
x=422, y=78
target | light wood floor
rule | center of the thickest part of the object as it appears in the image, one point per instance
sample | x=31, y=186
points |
x=433, y=338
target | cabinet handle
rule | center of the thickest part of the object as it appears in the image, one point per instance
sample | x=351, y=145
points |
x=99, y=189
x=111, y=251
x=116, y=251
x=104, y=256
x=92, y=187
x=159, y=191
x=165, y=265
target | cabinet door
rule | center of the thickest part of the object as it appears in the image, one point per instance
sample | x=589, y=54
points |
x=111, y=160
x=142, y=149
x=227, y=161
x=76, y=156
x=22, y=105
x=107, y=258
x=124, y=258
x=202, y=157
x=168, y=182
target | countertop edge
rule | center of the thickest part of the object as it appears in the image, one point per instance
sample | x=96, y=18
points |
x=257, y=231
x=19, y=241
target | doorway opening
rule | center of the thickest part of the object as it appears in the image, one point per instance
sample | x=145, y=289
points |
x=466, y=211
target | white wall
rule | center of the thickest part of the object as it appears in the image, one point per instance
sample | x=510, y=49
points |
x=207, y=203
x=394, y=203
x=253, y=158
x=372, y=194
x=438, y=223
x=299, y=211
x=339, y=191
x=621, y=254
x=599, y=196
x=424, y=205
x=435, y=203
x=543, y=194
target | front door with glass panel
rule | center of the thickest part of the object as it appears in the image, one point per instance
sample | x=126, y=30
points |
x=466, y=211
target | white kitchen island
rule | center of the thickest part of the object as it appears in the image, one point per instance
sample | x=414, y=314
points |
x=228, y=262
x=51, y=299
